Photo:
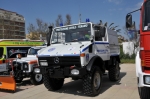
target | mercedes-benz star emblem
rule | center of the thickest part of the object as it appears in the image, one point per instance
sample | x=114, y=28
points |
x=56, y=60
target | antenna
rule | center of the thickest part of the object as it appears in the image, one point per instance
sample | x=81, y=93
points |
x=79, y=18
x=79, y=15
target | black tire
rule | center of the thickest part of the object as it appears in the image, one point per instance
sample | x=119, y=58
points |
x=114, y=71
x=52, y=84
x=18, y=76
x=36, y=79
x=144, y=92
x=18, y=80
x=92, y=82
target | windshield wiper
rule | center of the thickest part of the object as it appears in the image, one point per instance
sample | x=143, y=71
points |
x=56, y=43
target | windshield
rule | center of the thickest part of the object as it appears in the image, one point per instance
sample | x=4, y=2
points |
x=146, y=25
x=12, y=50
x=72, y=33
x=33, y=51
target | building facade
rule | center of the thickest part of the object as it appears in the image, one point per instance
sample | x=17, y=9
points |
x=12, y=25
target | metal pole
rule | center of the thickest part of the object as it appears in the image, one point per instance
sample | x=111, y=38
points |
x=3, y=31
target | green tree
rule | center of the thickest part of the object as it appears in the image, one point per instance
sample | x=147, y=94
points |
x=59, y=20
x=41, y=28
x=68, y=20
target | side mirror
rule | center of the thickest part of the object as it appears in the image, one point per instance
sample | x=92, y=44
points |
x=91, y=38
x=128, y=21
x=102, y=31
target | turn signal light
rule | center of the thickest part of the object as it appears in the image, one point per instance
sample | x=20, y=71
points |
x=82, y=55
x=142, y=63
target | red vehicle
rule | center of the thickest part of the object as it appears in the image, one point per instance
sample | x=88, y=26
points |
x=143, y=54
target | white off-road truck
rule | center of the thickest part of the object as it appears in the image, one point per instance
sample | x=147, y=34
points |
x=23, y=67
x=81, y=51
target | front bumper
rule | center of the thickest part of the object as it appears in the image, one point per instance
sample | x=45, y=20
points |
x=143, y=80
x=62, y=72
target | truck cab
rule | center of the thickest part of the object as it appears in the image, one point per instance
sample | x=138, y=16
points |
x=80, y=51
x=143, y=54
x=23, y=66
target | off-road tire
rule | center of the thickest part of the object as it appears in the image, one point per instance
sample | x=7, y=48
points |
x=114, y=71
x=88, y=82
x=36, y=81
x=144, y=92
x=52, y=84
x=18, y=76
x=18, y=80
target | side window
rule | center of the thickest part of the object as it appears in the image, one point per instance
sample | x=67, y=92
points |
x=13, y=50
x=33, y=51
x=97, y=36
x=147, y=14
x=1, y=51
x=100, y=33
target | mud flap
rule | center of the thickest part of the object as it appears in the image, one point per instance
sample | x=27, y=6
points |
x=7, y=82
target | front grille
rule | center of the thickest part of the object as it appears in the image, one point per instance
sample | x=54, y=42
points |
x=63, y=61
x=25, y=66
x=20, y=66
x=17, y=65
x=147, y=58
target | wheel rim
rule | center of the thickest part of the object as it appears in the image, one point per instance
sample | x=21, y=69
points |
x=97, y=80
x=38, y=77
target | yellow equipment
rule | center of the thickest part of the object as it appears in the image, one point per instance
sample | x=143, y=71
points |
x=9, y=47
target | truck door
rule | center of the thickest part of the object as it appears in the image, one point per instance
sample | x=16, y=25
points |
x=2, y=60
x=101, y=46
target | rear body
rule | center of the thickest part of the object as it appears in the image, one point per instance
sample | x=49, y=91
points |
x=9, y=47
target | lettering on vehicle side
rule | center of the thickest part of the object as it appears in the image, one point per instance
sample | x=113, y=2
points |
x=51, y=49
x=103, y=51
x=71, y=48
x=87, y=57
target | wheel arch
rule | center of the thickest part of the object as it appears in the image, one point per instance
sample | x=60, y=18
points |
x=96, y=60
x=112, y=61
x=138, y=64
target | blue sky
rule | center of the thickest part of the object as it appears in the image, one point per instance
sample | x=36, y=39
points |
x=48, y=10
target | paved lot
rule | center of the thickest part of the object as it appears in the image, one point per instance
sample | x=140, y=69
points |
x=125, y=88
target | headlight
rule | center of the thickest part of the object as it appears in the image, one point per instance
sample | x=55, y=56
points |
x=25, y=66
x=147, y=79
x=36, y=70
x=43, y=63
x=75, y=72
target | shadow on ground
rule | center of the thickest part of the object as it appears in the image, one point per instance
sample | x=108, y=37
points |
x=75, y=87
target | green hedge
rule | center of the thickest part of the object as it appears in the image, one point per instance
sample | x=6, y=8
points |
x=126, y=58
x=127, y=61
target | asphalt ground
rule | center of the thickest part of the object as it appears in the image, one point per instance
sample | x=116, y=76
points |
x=125, y=88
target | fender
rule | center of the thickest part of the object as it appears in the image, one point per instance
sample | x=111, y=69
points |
x=138, y=64
x=93, y=61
